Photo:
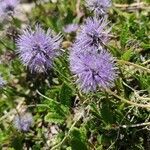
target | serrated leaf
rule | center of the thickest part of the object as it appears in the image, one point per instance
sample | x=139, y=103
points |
x=145, y=46
x=124, y=37
x=65, y=95
x=78, y=139
x=53, y=117
x=127, y=55
x=17, y=143
x=106, y=114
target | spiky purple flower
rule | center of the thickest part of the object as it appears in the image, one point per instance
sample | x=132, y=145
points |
x=23, y=122
x=7, y=8
x=99, y=7
x=37, y=49
x=94, y=34
x=71, y=28
x=8, y=5
x=93, y=70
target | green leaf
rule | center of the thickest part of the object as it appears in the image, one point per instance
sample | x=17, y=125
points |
x=94, y=109
x=65, y=95
x=78, y=139
x=54, y=117
x=17, y=143
x=124, y=37
x=127, y=55
x=115, y=51
x=145, y=46
x=106, y=114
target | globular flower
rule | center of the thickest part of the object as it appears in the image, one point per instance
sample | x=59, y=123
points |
x=2, y=82
x=94, y=33
x=7, y=7
x=93, y=70
x=99, y=7
x=71, y=28
x=37, y=49
x=23, y=122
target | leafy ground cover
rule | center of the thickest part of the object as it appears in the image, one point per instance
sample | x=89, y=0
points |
x=44, y=108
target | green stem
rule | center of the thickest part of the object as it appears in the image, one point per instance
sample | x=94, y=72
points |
x=47, y=97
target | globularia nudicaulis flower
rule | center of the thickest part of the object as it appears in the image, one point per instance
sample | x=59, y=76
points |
x=94, y=33
x=37, y=49
x=23, y=122
x=8, y=5
x=93, y=70
x=7, y=8
x=99, y=7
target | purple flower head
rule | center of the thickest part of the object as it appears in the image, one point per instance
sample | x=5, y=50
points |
x=7, y=8
x=8, y=5
x=2, y=82
x=99, y=7
x=37, y=49
x=93, y=34
x=23, y=122
x=71, y=28
x=93, y=70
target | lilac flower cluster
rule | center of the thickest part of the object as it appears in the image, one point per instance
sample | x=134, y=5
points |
x=99, y=7
x=93, y=70
x=90, y=62
x=23, y=122
x=37, y=49
x=7, y=7
x=93, y=33
x=92, y=65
